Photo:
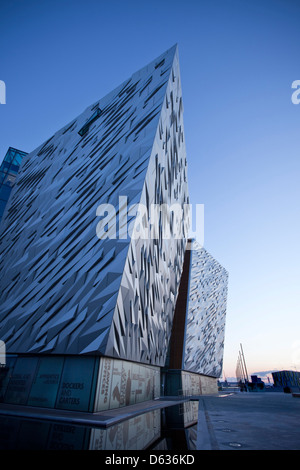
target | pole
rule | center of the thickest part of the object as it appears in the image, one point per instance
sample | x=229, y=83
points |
x=244, y=363
x=242, y=367
x=237, y=371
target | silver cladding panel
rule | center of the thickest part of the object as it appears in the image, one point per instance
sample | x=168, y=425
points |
x=64, y=291
x=206, y=312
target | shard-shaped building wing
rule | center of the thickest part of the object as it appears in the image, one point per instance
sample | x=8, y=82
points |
x=65, y=290
x=195, y=358
x=205, y=314
x=104, y=301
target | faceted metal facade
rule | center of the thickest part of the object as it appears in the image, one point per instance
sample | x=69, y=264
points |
x=205, y=315
x=65, y=291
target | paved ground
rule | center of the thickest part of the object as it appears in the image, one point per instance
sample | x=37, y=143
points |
x=249, y=421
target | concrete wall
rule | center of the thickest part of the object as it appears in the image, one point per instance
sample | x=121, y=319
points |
x=179, y=382
x=122, y=383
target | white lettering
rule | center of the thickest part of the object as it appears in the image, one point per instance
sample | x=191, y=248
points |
x=106, y=228
x=295, y=95
x=114, y=460
x=2, y=92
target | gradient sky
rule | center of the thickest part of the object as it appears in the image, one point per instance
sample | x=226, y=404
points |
x=238, y=59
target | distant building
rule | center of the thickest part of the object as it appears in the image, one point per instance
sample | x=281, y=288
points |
x=289, y=380
x=8, y=172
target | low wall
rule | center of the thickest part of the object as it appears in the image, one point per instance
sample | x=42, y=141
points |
x=179, y=382
x=78, y=383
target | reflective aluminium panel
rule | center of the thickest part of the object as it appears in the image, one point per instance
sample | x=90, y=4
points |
x=206, y=312
x=69, y=288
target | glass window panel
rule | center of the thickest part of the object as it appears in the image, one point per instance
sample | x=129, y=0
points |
x=5, y=191
x=2, y=176
x=44, y=389
x=13, y=168
x=18, y=158
x=10, y=155
x=5, y=166
x=2, y=207
x=21, y=380
x=76, y=384
x=10, y=180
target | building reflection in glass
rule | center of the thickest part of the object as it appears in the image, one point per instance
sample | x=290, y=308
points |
x=172, y=427
x=179, y=427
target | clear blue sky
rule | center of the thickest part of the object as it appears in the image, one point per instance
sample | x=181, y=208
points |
x=238, y=60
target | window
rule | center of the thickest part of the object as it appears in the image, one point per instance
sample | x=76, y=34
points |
x=89, y=122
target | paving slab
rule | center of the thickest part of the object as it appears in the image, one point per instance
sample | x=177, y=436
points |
x=249, y=421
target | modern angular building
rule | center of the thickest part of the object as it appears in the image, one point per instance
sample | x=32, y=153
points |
x=91, y=266
x=288, y=380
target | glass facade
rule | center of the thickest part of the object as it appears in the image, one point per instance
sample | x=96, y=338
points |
x=78, y=383
x=8, y=171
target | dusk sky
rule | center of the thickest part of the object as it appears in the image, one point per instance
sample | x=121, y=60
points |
x=238, y=61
